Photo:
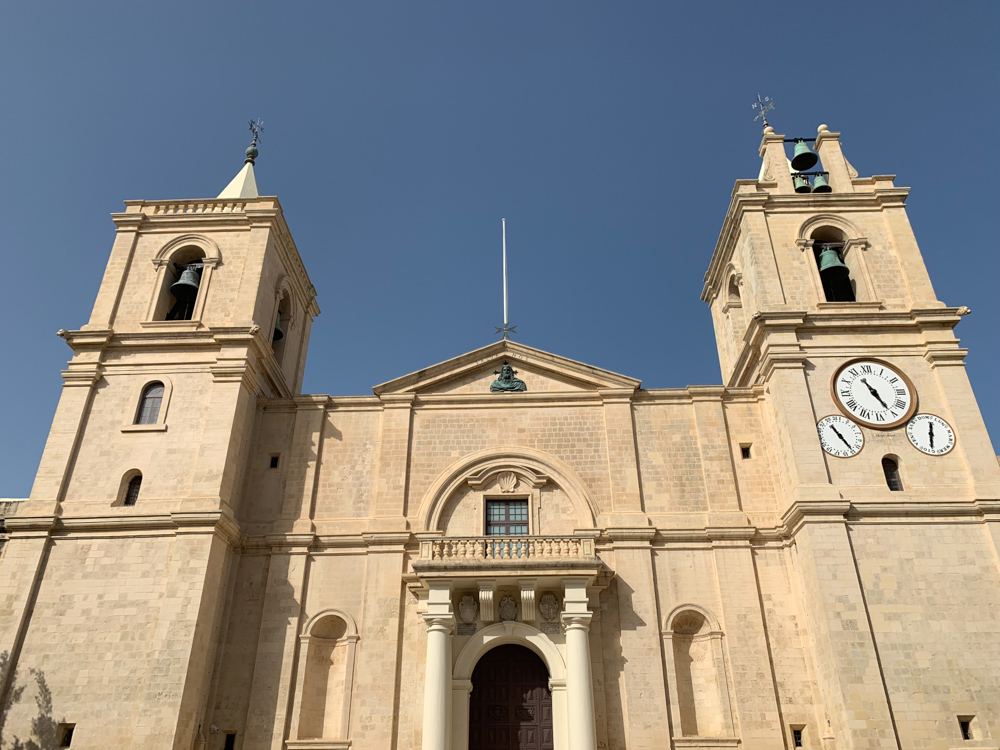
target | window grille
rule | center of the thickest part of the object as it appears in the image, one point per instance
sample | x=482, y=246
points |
x=506, y=518
x=132, y=493
x=891, y=469
x=149, y=404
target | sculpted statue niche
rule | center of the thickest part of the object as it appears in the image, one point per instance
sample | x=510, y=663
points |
x=507, y=383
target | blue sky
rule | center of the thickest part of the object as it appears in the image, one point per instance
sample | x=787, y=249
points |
x=398, y=134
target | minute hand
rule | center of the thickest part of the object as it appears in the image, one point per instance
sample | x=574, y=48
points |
x=874, y=393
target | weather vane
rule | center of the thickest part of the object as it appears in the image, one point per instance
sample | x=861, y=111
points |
x=256, y=128
x=765, y=105
x=506, y=329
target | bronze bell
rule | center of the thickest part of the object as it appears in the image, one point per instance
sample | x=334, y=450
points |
x=801, y=184
x=278, y=333
x=186, y=287
x=803, y=158
x=820, y=185
x=830, y=264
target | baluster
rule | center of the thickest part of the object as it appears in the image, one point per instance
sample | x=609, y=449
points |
x=506, y=549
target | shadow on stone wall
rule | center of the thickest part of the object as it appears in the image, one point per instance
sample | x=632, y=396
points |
x=44, y=729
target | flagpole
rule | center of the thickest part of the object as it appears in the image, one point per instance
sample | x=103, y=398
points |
x=504, y=275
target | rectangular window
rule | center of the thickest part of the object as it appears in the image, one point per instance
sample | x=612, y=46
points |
x=506, y=518
x=965, y=726
x=745, y=450
x=64, y=735
x=797, y=737
x=274, y=461
x=230, y=741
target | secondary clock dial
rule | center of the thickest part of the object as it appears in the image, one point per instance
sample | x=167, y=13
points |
x=930, y=434
x=839, y=436
x=874, y=393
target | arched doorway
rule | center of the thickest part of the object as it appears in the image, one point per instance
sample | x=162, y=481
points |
x=510, y=707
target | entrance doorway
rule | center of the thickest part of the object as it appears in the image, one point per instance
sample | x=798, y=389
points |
x=510, y=707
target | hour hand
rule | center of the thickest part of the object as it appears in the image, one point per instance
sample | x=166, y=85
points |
x=874, y=393
x=930, y=433
x=842, y=439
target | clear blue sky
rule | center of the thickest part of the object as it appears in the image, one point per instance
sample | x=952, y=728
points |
x=398, y=134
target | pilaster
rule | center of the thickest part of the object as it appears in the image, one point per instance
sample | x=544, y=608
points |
x=300, y=483
x=623, y=463
x=389, y=491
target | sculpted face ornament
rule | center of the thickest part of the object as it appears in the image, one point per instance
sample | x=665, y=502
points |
x=467, y=609
x=549, y=607
x=507, y=383
x=508, y=609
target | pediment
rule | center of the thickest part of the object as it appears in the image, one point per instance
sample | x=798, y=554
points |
x=472, y=373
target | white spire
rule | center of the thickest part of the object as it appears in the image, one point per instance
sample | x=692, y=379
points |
x=243, y=185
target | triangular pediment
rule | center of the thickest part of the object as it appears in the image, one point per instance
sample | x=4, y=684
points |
x=473, y=372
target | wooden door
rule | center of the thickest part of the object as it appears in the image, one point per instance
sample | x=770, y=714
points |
x=511, y=706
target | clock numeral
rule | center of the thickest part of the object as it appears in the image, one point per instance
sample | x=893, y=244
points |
x=900, y=391
x=893, y=380
x=900, y=404
x=866, y=369
x=879, y=417
x=852, y=404
x=845, y=394
x=865, y=414
x=853, y=372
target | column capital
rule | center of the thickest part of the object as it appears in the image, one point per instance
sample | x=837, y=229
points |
x=577, y=620
x=439, y=622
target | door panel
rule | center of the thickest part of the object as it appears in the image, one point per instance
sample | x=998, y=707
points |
x=510, y=707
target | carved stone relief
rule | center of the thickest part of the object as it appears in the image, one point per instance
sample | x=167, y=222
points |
x=508, y=609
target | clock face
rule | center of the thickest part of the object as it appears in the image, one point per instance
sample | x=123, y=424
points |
x=839, y=436
x=874, y=393
x=930, y=434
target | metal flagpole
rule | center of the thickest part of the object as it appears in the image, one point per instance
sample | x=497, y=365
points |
x=507, y=329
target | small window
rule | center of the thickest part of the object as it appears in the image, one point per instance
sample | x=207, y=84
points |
x=64, y=735
x=230, y=741
x=149, y=404
x=506, y=518
x=965, y=727
x=797, y=737
x=745, y=450
x=891, y=470
x=274, y=461
x=132, y=492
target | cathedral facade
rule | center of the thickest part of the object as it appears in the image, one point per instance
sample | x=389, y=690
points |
x=511, y=549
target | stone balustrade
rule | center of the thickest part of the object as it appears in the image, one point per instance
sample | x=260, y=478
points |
x=500, y=548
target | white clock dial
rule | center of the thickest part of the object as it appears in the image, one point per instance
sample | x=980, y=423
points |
x=930, y=434
x=874, y=393
x=839, y=436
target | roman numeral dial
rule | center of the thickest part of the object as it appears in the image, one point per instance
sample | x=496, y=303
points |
x=874, y=393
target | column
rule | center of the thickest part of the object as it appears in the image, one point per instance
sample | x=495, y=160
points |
x=579, y=682
x=437, y=669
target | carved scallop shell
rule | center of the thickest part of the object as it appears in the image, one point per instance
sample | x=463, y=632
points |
x=507, y=481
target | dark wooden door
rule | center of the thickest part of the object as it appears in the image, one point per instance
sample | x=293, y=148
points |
x=510, y=707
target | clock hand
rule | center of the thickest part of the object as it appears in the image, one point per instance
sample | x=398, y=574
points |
x=874, y=393
x=840, y=436
x=930, y=432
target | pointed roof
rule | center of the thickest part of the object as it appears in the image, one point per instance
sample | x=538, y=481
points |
x=561, y=372
x=243, y=184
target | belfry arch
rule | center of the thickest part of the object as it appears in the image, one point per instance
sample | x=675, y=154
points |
x=533, y=467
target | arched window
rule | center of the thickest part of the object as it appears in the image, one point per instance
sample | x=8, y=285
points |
x=181, y=285
x=891, y=470
x=132, y=490
x=828, y=247
x=149, y=404
x=282, y=322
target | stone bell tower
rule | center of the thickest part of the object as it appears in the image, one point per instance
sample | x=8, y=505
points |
x=204, y=307
x=817, y=270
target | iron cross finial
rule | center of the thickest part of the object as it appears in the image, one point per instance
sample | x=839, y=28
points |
x=256, y=128
x=765, y=105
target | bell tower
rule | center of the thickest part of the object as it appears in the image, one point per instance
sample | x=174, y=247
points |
x=823, y=307
x=204, y=309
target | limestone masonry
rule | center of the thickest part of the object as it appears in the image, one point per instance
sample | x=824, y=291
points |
x=211, y=559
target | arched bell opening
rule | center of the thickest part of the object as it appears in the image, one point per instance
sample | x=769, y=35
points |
x=511, y=703
x=181, y=285
x=829, y=245
x=279, y=331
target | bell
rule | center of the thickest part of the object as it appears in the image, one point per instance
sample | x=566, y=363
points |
x=804, y=157
x=801, y=184
x=820, y=185
x=830, y=264
x=186, y=287
x=278, y=333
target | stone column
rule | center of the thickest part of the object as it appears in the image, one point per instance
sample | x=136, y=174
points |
x=579, y=682
x=437, y=669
